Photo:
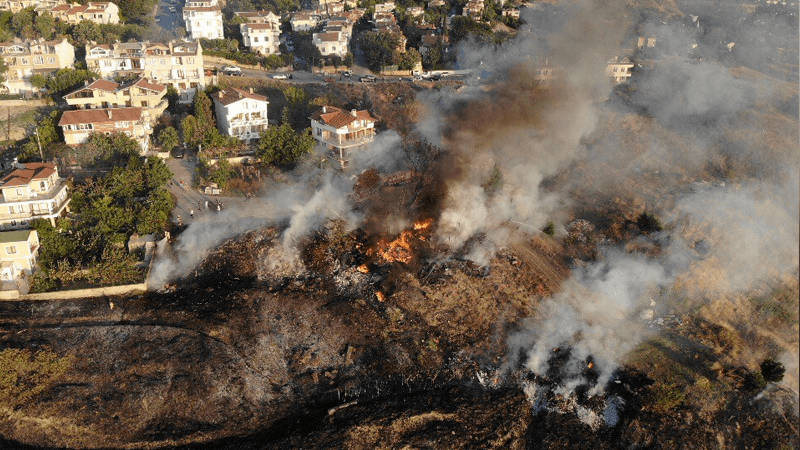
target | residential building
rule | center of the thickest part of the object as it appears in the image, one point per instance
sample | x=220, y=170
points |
x=241, y=114
x=18, y=252
x=547, y=76
x=107, y=94
x=259, y=17
x=78, y=125
x=97, y=12
x=513, y=12
x=385, y=7
x=203, y=19
x=32, y=191
x=394, y=28
x=619, y=70
x=341, y=132
x=263, y=38
x=474, y=9
x=16, y=6
x=331, y=44
x=304, y=21
x=431, y=39
x=436, y=4
x=177, y=64
x=35, y=57
x=415, y=11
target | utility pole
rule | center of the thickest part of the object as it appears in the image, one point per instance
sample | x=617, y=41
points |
x=36, y=132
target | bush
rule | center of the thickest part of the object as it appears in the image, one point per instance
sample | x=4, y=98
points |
x=648, y=223
x=549, y=229
x=753, y=382
x=666, y=396
x=772, y=371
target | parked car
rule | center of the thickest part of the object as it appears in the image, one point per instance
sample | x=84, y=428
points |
x=178, y=152
x=347, y=73
x=367, y=79
x=279, y=76
x=232, y=71
x=172, y=9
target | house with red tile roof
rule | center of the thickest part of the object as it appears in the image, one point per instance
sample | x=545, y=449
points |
x=142, y=93
x=32, y=191
x=241, y=114
x=78, y=125
x=341, y=132
x=97, y=12
x=18, y=252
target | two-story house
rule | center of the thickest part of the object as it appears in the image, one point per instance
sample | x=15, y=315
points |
x=263, y=38
x=304, y=21
x=18, y=252
x=203, y=19
x=341, y=132
x=36, y=57
x=177, y=64
x=107, y=94
x=474, y=9
x=241, y=114
x=331, y=43
x=97, y=12
x=78, y=125
x=385, y=7
x=619, y=70
x=16, y=6
x=32, y=191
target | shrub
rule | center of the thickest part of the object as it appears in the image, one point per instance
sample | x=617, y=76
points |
x=549, y=229
x=648, y=223
x=772, y=371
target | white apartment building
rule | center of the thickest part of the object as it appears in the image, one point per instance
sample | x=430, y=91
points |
x=177, y=64
x=36, y=57
x=16, y=6
x=331, y=44
x=263, y=38
x=203, y=19
x=32, y=191
x=241, y=114
x=304, y=21
x=619, y=70
x=340, y=132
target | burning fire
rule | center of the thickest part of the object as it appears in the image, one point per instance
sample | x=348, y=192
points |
x=363, y=268
x=380, y=296
x=400, y=249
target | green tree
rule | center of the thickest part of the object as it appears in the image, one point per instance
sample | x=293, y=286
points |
x=38, y=81
x=66, y=80
x=22, y=23
x=463, y=26
x=168, y=138
x=407, y=60
x=45, y=25
x=221, y=172
x=86, y=31
x=648, y=223
x=495, y=181
x=107, y=150
x=55, y=244
x=155, y=214
x=379, y=48
x=349, y=60
x=282, y=146
x=772, y=370
x=192, y=133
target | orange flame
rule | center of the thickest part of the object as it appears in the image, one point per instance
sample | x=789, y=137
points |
x=380, y=296
x=363, y=268
x=400, y=249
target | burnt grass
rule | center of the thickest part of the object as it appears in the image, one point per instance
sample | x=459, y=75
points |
x=234, y=357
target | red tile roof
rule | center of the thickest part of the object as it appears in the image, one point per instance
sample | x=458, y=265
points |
x=338, y=118
x=100, y=116
x=30, y=172
x=231, y=95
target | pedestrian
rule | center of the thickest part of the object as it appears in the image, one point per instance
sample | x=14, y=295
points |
x=219, y=207
x=247, y=197
x=180, y=221
x=191, y=214
x=206, y=204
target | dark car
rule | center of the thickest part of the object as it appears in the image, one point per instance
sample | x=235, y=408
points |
x=178, y=152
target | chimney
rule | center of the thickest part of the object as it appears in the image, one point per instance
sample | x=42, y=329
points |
x=354, y=113
x=251, y=90
x=109, y=113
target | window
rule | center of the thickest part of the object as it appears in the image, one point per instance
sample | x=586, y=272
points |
x=19, y=192
x=24, y=60
x=42, y=185
x=38, y=60
x=11, y=249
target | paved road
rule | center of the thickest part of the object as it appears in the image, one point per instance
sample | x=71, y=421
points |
x=190, y=198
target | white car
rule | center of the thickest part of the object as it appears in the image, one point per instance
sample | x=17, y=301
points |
x=279, y=76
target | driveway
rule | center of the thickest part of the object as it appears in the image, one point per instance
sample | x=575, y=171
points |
x=188, y=195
